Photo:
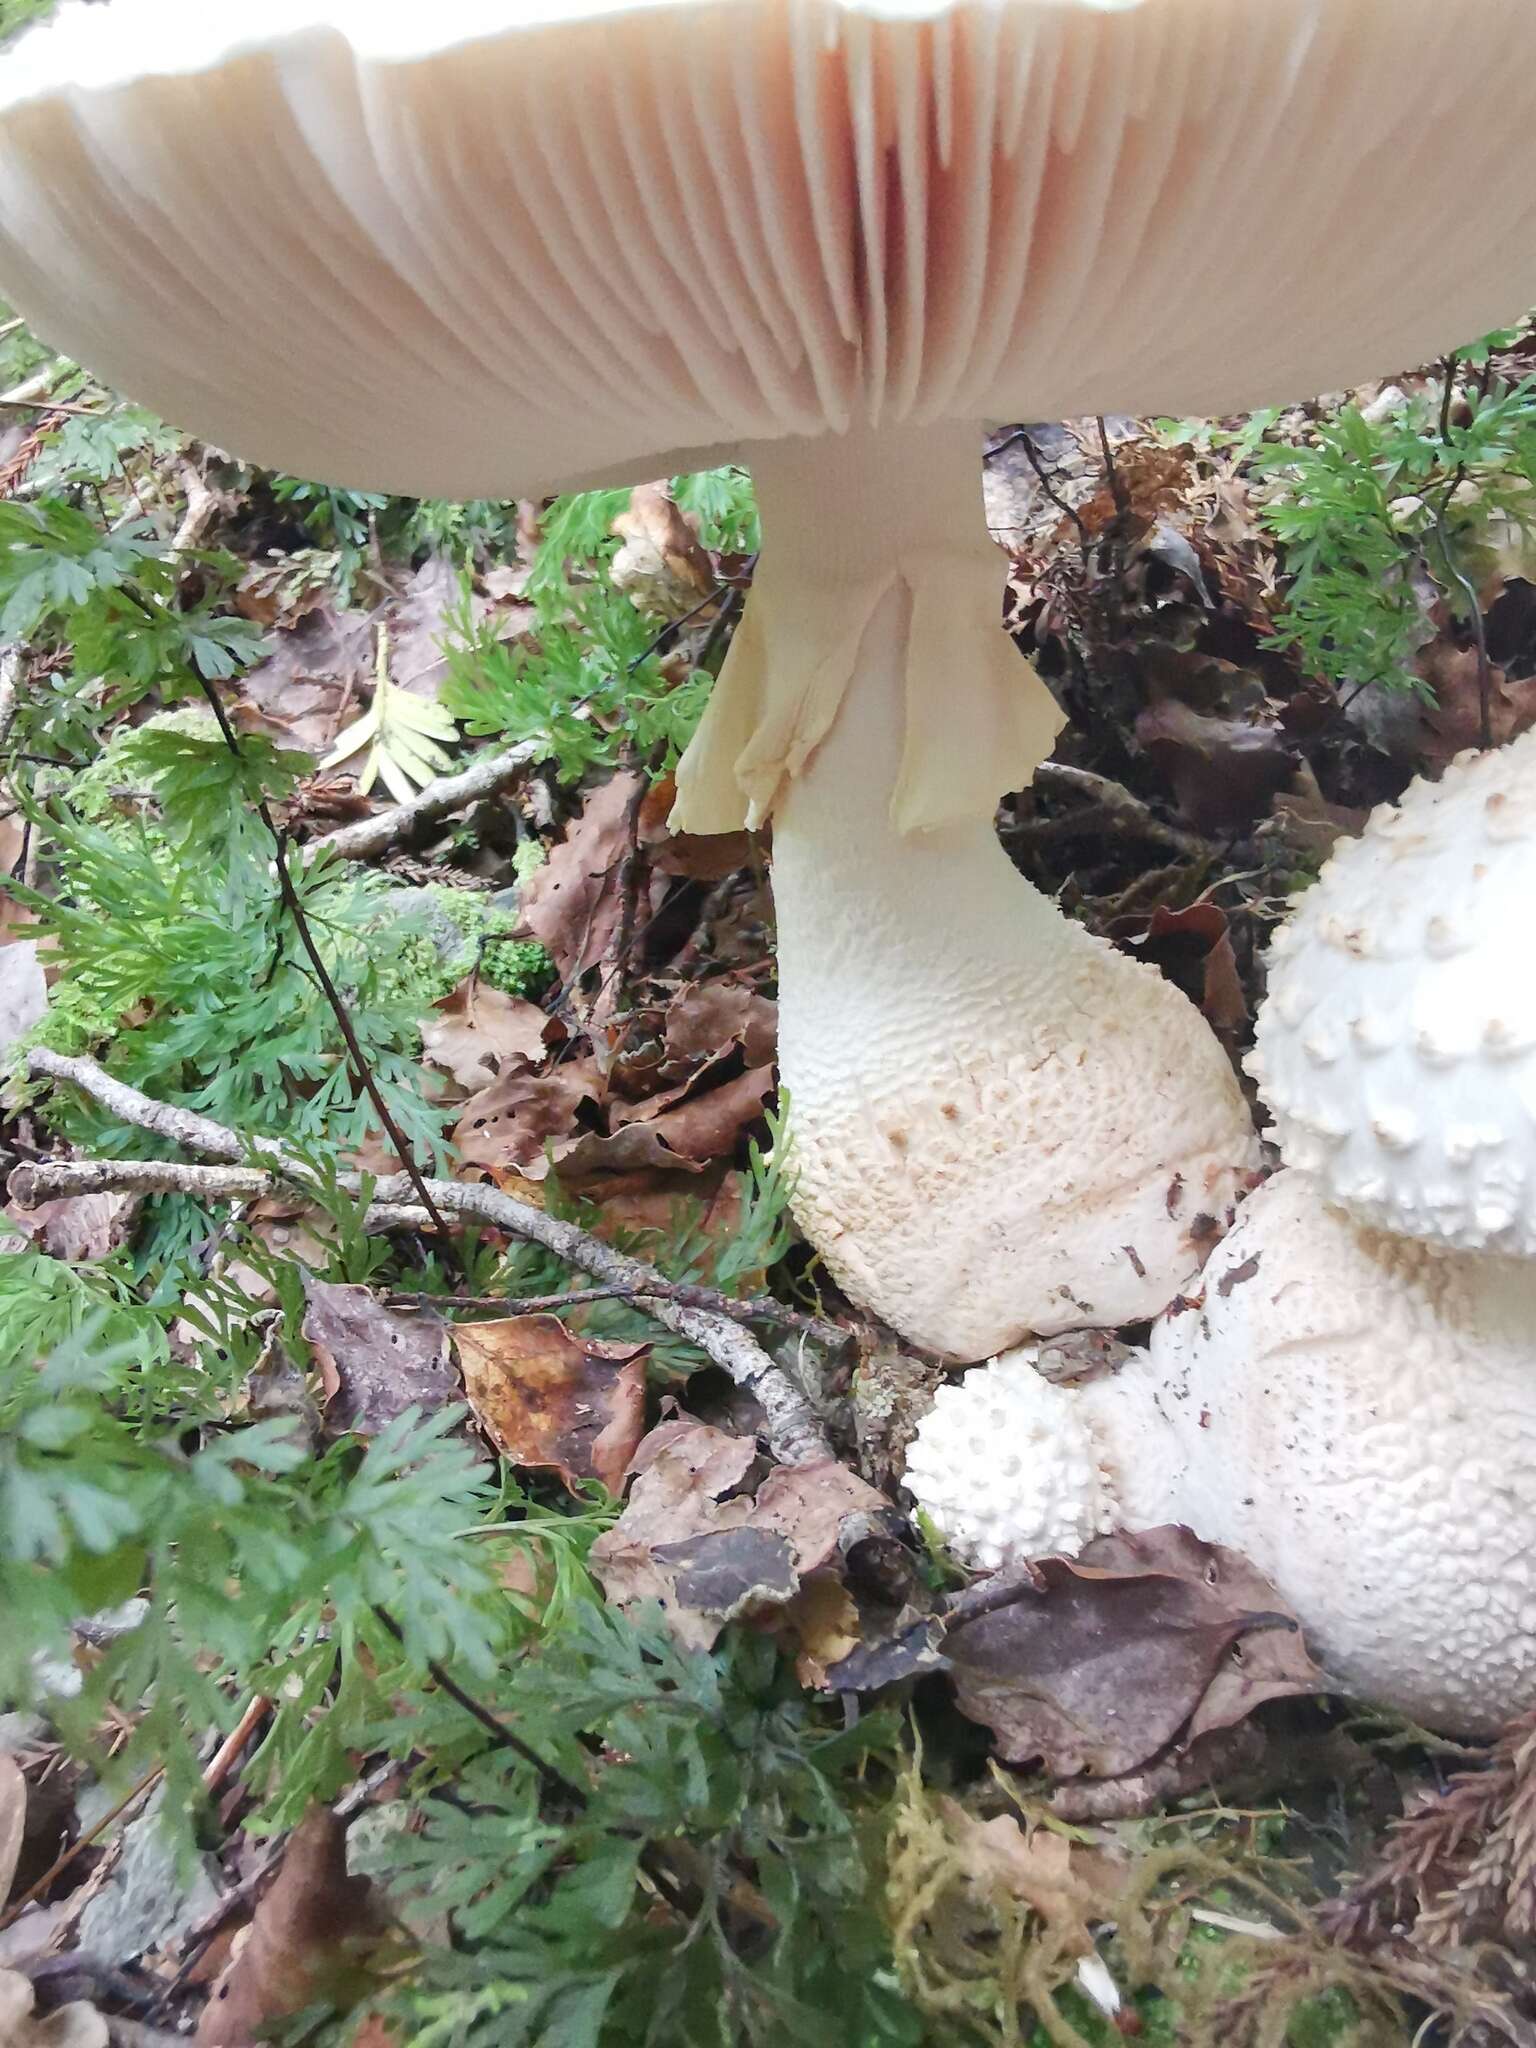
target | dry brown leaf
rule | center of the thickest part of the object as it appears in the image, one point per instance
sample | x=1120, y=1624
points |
x=299, y=693
x=507, y=1126
x=309, y=1940
x=1193, y=948
x=374, y=1362
x=574, y=901
x=707, y=1125
x=596, y=1160
x=1455, y=722
x=693, y=1540
x=709, y=858
x=549, y=1398
x=79, y=1227
x=417, y=622
x=1065, y=1882
x=1100, y=1664
x=708, y=1016
x=661, y=565
x=824, y=1622
x=477, y=1032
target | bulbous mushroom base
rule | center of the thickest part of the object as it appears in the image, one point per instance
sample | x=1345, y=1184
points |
x=1353, y=1412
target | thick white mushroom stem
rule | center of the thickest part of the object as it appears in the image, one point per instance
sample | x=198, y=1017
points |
x=1001, y=1125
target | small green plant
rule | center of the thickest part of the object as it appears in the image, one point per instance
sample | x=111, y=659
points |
x=587, y=680
x=112, y=602
x=1383, y=514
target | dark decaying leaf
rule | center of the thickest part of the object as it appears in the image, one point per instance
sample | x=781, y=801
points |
x=1098, y=1665
x=1193, y=947
x=1223, y=771
x=697, y=1539
x=573, y=903
x=548, y=1398
x=308, y=1941
x=375, y=1362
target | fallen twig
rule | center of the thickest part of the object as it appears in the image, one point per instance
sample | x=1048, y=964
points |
x=37, y=386
x=56, y=1180
x=1110, y=806
x=791, y=1428
x=754, y=1308
x=371, y=836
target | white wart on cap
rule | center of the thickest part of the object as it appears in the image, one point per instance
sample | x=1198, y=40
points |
x=1396, y=1049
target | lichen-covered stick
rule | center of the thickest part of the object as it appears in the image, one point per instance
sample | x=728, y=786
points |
x=791, y=1428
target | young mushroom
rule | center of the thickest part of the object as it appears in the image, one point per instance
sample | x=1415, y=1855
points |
x=484, y=246
x=1356, y=1413
x=1396, y=1049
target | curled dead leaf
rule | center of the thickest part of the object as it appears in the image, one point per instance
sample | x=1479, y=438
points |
x=549, y=1398
x=573, y=903
x=478, y=1032
x=695, y=1539
x=1223, y=771
x=1096, y=1666
x=661, y=565
x=310, y=1939
x=523, y=1118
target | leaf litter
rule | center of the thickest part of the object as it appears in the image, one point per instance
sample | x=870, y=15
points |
x=646, y=1074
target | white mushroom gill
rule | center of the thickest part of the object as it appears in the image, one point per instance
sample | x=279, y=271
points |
x=1001, y=1125
x=1354, y=1412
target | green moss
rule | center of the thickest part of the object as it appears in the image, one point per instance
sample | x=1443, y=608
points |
x=458, y=934
x=519, y=967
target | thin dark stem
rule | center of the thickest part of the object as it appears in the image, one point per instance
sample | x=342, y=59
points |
x=729, y=612
x=1022, y=437
x=360, y=1066
x=552, y=1779
x=1454, y=569
x=631, y=872
x=1117, y=488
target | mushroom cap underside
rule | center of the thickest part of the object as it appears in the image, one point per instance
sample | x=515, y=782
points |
x=487, y=247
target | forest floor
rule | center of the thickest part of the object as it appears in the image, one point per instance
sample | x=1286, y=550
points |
x=342, y=1706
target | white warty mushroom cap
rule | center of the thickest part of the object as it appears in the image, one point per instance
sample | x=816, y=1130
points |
x=1396, y=1050
x=1005, y=1468
x=465, y=248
